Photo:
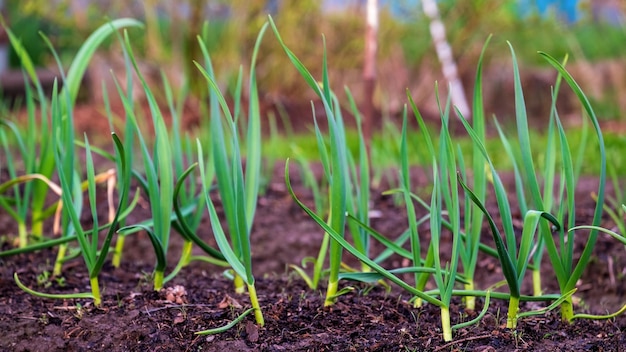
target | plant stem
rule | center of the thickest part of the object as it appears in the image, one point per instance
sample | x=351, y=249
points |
x=422, y=279
x=37, y=225
x=258, y=314
x=319, y=263
x=445, y=324
x=58, y=264
x=117, y=254
x=470, y=301
x=331, y=292
x=239, y=284
x=537, y=283
x=567, y=310
x=511, y=320
x=334, y=262
x=185, y=258
x=95, y=290
x=158, y=280
x=22, y=234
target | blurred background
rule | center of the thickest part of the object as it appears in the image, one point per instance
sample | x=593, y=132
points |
x=591, y=32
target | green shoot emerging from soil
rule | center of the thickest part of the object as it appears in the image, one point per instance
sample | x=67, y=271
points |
x=238, y=190
x=439, y=245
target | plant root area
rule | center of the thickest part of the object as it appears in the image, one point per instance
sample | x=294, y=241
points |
x=133, y=317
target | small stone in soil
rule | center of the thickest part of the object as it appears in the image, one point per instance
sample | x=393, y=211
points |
x=252, y=331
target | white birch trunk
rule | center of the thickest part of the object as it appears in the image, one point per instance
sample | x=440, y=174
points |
x=369, y=69
x=444, y=53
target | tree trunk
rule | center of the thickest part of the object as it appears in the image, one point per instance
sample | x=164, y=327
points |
x=369, y=71
x=444, y=53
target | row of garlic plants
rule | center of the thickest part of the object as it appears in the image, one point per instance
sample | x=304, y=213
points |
x=456, y=208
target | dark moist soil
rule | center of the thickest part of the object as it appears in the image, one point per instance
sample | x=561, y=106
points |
x=135, y=318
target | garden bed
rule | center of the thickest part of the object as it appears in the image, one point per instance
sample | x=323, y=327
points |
x=135, y=318
x=437, y=262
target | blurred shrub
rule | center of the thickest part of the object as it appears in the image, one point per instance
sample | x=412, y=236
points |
x=406, y=55
x=27, y=29
x=64, y=23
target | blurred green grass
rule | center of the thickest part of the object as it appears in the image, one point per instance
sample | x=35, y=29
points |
x=385, y=152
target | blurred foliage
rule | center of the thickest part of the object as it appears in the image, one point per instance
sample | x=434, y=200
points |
x=470, y=22
x=300, y=22
x=66, y=25
x=386, y=155
x=169, y=39
x=28, y=30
